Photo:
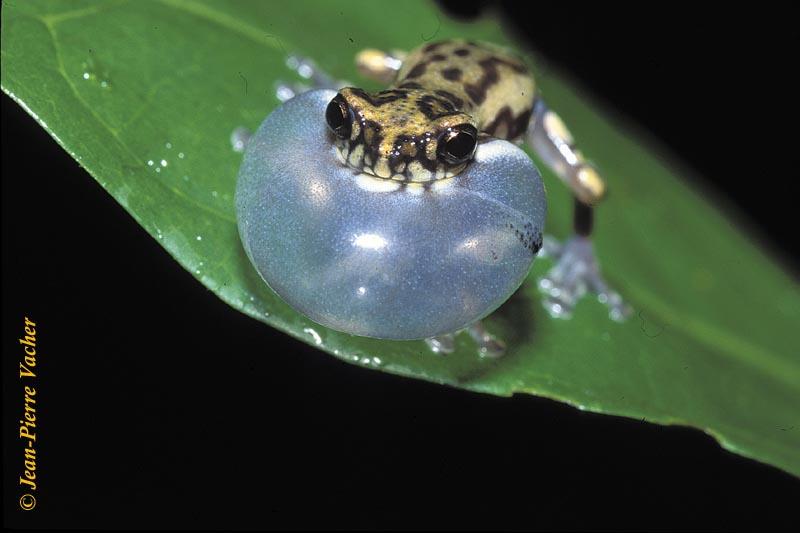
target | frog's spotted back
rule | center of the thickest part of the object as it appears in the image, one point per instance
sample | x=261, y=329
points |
x=425, y=127
x=487, y=82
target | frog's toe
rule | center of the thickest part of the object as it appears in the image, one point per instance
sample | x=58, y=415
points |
x=577, y=272
x=488, y=345
x=442, y=344
x=618, y=310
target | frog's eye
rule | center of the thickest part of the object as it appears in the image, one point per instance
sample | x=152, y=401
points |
x=339, y=118
x=457, y=144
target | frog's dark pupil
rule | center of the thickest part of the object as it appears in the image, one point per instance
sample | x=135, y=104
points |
x=458, y=145
x=461, y=145
x=338, y=118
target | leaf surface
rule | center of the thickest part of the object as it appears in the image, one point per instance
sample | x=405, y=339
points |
x=145, y=95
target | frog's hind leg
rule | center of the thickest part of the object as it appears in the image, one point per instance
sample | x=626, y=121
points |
x=576, y=271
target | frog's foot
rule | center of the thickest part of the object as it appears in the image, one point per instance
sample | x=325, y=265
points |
x=443, y=344
x=488, y=344
x=308, y=70
x=576, y=272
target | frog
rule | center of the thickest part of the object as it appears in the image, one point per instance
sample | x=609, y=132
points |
x=443, y=100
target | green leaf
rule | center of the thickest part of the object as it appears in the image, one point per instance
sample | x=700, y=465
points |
x=145, y=95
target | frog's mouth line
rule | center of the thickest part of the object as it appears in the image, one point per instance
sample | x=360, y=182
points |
x=407, y=169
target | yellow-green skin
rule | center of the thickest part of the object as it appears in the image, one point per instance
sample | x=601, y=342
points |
x=440, y=86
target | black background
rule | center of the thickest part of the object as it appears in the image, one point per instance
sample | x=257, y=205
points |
x=161, y=406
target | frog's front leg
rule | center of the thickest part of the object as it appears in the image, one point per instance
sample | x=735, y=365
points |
x=488, y=344
x=576, y=271
x=379, y=65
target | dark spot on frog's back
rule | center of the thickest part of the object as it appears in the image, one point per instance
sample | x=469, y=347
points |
x=417, y=71
x=433, y=107
x=477, y=91
x=506, y=125
x=462, y=52
x=410, y=85
x=381, y=98
x=361, y=93
x=390, y=95
x=455, y=100
x=432, y=47
x=452, y=74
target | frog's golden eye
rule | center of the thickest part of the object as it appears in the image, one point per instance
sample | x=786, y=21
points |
x=339, y=117
x=457, y=144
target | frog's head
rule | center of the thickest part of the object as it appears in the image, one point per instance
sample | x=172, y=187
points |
x=406, y=134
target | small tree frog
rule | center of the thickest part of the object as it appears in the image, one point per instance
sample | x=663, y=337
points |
x=411, y=213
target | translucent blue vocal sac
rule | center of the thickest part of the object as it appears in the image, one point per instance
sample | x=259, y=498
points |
x=370, y=256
